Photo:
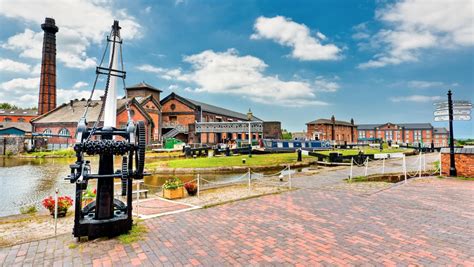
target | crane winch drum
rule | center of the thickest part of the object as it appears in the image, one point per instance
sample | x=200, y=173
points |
x=107, y=216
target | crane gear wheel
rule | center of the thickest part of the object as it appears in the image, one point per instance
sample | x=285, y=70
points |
x=141, y=147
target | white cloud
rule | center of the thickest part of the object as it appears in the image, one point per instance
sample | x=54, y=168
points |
x=163, y=73
x=80, y=84
x=416, y=98
x=424, y=84
x=229, y=73
x=416, y=25
x=9, y=65
x=324, y=85
x=23, y=92
x=81, y=23
x=297, y=36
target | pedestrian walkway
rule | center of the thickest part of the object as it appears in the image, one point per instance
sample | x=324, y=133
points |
x=427, y=221
x=157, y=206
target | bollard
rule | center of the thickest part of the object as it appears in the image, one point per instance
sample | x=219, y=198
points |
x=300, y=158
x=56, y=211
x=243, y=161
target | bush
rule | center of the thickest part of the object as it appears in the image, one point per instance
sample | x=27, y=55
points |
x=191, y=188
x=28, y=209
x=172, y=183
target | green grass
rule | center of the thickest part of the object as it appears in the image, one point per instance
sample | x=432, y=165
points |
x=358, y=179
x=255, y=160
x=133, y=235
x=28, y=209
x=355, y=152
x=64, y=153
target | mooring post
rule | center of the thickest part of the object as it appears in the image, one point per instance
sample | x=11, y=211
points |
x=56, y=211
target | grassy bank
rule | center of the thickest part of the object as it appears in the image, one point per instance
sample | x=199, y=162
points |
x=63, y=153
x=255, y=160
x=354, y=152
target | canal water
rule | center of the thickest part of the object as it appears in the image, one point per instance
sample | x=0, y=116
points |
x=26, y=181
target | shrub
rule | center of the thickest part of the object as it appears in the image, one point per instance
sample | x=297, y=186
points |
x=64, y=203
x=191, y=188
x=172, y=183
x=28, y=209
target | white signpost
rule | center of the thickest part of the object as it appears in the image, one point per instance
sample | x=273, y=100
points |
x=445, y=112
x=455, y=117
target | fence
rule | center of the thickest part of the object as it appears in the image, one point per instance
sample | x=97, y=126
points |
x=409, y=170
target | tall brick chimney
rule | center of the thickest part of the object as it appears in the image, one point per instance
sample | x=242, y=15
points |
x=47, y=92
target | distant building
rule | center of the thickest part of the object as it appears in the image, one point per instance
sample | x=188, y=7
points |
x=298, y=135
x=409, y=133
x=17, y=115
x=332, y=130
x=15, y=128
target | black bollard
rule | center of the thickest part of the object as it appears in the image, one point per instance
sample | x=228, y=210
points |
x=300, y=152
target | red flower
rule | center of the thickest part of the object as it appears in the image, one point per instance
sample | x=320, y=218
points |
x=64, y=203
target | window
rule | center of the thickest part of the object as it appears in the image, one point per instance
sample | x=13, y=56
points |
x=388, y=135
x=362, y=134
x=428, y=134
x=7, y=119
x=47, y=132
x=64, y=132
x=173, y=119
x=417, y=135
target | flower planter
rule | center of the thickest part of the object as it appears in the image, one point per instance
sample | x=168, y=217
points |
x=61, y=213
x=173, y=193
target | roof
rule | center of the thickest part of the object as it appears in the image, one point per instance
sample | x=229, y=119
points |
x=143, y=85
x=457, y=150
x=19, y=112
x=407, y=126
x=209, y=108
x=23, y=126
x=74, y=110
x=328, y=121
x=440, y=130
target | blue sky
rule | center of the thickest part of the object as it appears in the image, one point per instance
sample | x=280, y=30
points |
x=292, y=61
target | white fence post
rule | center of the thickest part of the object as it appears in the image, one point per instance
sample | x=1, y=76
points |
x=56, y=211
x=383, y=166
x=405, y=168
x=440, y=172
x=424, y=162
x=198, y=182
x=352, y=163
x=289, y=175
x=249, y=178
x=138, y=199
x=419, y=165
x=366, y=165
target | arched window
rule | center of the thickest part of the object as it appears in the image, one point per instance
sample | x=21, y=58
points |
x=47, y=132
x=7, y=119
x=64, y=132
x=21, y=120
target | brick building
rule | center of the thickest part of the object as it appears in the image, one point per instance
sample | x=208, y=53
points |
x=17, y=115
x=332, y=130
x=59, y=125
x=181, y=116
x=408, y=133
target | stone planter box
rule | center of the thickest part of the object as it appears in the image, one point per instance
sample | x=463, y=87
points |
x=174, y=193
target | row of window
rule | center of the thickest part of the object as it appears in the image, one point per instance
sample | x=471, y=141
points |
x=63, y=132
x=10, y=119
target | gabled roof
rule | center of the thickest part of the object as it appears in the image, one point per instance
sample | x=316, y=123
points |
x=208, y=108
x=143, y=85
x=23, y=126
x=19, y=112
x=328, y=121
x=143, y=100
x=407, y=126
x=74, y=110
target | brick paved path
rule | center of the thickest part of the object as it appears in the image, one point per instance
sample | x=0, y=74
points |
x=427, y=221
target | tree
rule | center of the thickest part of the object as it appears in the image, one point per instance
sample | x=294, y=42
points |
x=7, y=106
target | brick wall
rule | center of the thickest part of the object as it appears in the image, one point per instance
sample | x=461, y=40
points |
x=341, y=132
x=13, y=144
x=17, y=118
x=464, y=164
